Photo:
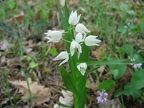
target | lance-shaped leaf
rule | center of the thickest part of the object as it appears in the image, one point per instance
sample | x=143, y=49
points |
x=109, y=62
x=67, y=79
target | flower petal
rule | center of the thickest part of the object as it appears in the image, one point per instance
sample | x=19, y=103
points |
x=74, y=46
x=81, y=28
x=79, y=37
x=92, y=41
x=53, y=36
x=102, y=98
x=137, y=65
x=62, y=56
x=82, y=68
x=74, y=18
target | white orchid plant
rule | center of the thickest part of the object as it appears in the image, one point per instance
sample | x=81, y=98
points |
x=76, y=55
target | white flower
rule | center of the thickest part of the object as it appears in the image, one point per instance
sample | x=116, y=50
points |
x=79, y=37
x=82, y=68
x=61, y=56
x=74, y=18
x=91, y=40
x=81, y=28
x=75, y=46
x=53, y=36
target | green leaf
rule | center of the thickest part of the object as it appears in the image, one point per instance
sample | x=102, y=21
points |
x=33, y=64
x=81, y=91
x=128, y=49
x=66, y=12
x=82, y=99
x=107, y=85
x=44, y=50
x=124, y=7
x=122, y=29
x=115, y=73
x=142, y=29
x=11, y=4
x=117, y=93
x=119, y=70
x=137, y=80
x=84, y=56
x=28, y=58
x=43, y=14
x=132, y=26
x=63, y=105
x=137, y=58
x=64, y=18
x=109, y=62
x=67, y=79
x=53, y=51
x=128, y=90
x=81, y=82
x=131, y=12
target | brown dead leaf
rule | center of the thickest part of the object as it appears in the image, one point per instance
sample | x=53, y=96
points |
x=37, y=17
x=114, y=103
x=97, y=53
x=4, y=45
x=62, y=2
x=39, y=93
x=5, y=101
x=27, y=50
x=2, y=60
x=111, y=92
x=126, y=77
x=136, y=21
x=67, y=98
x=19, y=17
x=91, y=83
x=59, y=45
x=101, y=70
x=70, y=3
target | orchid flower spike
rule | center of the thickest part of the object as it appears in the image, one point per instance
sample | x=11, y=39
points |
x=53, y=36
x=61, y=56
x=82, y=68
x=75, y=46
x=80, y=28
x=74, y=18
x=92, y=41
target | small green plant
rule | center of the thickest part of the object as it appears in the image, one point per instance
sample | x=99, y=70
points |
x=135, y=87
x=33, y=63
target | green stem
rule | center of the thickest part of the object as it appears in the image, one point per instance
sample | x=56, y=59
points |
x=26, y=76
x=65, y=40
x=65, y=32
x=122, y=102
x=76, y=101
